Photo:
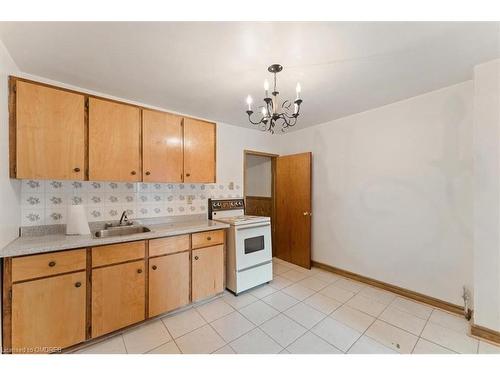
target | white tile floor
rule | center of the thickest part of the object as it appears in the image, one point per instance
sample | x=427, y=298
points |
x=302, y=312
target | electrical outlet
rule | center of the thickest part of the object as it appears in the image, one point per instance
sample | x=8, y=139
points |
x=231, y=186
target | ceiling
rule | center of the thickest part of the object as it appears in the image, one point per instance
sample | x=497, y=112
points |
x=207, y=69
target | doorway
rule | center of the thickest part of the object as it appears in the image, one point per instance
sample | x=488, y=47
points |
x=280, y=187
x=259, y=186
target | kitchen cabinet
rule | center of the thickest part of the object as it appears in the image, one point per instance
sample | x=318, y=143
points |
x=59, y=299
x=58, y=134
x=114, y=141
x=207, y=272
x=199, y=151
x=48, y=134
x=162, y=147
x=48, y=314
x=168, y=282
x=118, y=296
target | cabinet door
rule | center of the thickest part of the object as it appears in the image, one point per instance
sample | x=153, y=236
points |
x=208, y=272
x=118, y=297
x=50, y=133
x=161, y=147
x=199, y=151
x=114, y=141
x=48, y=313
x=168, y=282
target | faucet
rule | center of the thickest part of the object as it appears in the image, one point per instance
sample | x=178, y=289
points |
x=124, y=218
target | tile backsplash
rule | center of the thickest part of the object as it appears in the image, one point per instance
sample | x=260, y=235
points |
x=45, y=202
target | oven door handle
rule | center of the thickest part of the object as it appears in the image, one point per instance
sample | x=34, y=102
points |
x=256, y=225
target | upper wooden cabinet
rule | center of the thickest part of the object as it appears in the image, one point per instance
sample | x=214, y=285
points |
x=199, y=151
x=55, y=135
x=49, y=133
x=114, y=141
x=162, y=151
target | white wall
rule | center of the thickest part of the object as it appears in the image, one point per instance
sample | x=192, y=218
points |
x=9, y=189
x=392, y=191
x=258, y=181
x=487, y=195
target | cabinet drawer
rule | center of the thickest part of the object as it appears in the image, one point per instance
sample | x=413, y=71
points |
x=110, y=254
x=210, y=238
x=168, y=245
x=34, y=266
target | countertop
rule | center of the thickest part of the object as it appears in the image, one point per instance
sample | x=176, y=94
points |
x=26, y=245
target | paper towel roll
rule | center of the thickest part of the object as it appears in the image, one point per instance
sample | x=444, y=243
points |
x=77, y=220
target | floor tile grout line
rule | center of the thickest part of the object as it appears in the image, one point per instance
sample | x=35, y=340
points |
x=264, y=332
x=172, y=336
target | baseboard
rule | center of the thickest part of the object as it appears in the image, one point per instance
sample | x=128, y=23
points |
x=485, y=333
x=456, y=309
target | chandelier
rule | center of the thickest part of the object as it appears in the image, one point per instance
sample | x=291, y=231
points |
x=273, y=113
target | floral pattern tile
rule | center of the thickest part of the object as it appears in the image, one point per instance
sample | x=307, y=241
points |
x=46, y=202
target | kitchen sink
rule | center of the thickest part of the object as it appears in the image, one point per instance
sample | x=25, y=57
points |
x=120, y=231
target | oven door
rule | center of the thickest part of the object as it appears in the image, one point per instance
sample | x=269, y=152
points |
x=253, y=245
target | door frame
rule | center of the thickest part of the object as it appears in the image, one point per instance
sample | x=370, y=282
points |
x=273, y=186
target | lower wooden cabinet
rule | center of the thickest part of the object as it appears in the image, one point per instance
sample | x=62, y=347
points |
x=56, y=300
x=48, y=314
x=118, y=296
x=168, y=282
x=207, y=272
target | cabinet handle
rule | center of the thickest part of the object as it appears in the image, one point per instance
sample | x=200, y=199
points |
x=78, y=284
x=188, y=174
x=52, y=264
x=154, y=267
x=139, y=271
x=77, y=169
x=196, y=257
x=209, y=238
x=148, y=173
x=133, y=173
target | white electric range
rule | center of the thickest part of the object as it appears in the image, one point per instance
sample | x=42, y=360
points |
x=249, y=252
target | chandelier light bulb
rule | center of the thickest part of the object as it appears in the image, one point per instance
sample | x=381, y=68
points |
x=249, y=102
x=266, y=87
x=264, y=111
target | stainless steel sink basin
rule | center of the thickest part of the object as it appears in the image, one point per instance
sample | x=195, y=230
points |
x=120, y=231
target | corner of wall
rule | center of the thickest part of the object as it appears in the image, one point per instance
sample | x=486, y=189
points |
x=10, y=190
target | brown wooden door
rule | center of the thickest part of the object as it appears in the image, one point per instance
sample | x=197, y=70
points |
x=168, y=282
x=208, y=272
x=48, y=313
x=50, y=133
x=118, y=296
x=162, y=150
x=114, y=141
x=293, y=208
x=199, y=151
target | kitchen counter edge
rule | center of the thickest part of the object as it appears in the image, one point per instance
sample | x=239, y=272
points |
x=31, y=245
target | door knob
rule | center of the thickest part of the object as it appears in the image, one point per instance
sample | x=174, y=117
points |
x=132, y=173
x=139, y=271
x=304, y=213
x=154, y=267
x=188, y=174
x=307, y=213
x=77, y=169
x=148, y=173
x=78, y=284
x=52, y=264
x=196, y=257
